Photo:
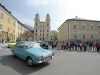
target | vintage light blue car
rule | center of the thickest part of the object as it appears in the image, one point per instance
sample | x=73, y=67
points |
x=31, y=52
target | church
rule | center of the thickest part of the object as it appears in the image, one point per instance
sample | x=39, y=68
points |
x=42, y=28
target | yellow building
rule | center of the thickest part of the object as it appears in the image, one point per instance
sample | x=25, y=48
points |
x=10, y=27
x=79, y=29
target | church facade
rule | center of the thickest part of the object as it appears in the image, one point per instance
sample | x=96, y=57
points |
x=42, y=28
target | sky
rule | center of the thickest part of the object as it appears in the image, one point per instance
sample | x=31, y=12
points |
x=59, y=10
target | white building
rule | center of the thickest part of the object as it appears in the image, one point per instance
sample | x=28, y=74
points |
x=42, y=28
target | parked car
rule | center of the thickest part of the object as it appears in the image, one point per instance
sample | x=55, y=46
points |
x=31, y=52
x=11, y=43
x=44, y=45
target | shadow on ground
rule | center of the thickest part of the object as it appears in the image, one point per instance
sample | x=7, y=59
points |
x=20, y=65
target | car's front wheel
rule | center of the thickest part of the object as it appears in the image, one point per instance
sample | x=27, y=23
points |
x=29, y=61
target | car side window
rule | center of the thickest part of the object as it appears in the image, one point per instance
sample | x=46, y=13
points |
x=18, y=44
x=22, y=45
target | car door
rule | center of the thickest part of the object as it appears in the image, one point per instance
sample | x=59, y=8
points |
x=22, y=51
x=16, y=48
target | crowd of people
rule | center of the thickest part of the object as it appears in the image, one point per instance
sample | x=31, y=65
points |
x=93, y=46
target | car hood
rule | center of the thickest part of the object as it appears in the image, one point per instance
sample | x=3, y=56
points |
x=39, y=51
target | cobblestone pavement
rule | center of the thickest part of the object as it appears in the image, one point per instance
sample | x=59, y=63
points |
x=64, y=63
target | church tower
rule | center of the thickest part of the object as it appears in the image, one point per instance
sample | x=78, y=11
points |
x=41, y=28
x=36, y=25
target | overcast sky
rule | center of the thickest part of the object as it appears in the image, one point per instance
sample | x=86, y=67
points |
x=59, y=10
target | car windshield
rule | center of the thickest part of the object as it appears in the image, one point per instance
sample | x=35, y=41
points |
x=32, y=45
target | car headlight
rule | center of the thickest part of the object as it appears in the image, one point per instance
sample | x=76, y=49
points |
x=52, y=54
x=40, y=57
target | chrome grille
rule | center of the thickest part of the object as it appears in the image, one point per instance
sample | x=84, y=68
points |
x=47, y=55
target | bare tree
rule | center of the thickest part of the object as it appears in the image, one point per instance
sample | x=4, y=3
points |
x=27, y=35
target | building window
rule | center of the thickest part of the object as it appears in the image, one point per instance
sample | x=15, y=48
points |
x=75, y=26
x=47, y=24
x=14, y=23
x=40, y=38
x=84, y=37
x=40, y=34
x=14, y=37
x=99, y=36
x=75, y=36
x=92, y=37
x=36, y=34
x=47, y=34
x=40, y=30
x=36, y=30
x=91, y=27
x=47, y=30
x=8, y=29
x=13, y=31
x=20, y=28
x=1, y=26
x=83, y=27
x=98, y=26
x=43, y=34
x=36, y=24
x=8, y=19
x=65, y=37
x=0, y=35
x=43, y=30
x=2, y=15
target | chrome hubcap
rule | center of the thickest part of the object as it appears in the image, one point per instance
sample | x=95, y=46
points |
x=29, y=61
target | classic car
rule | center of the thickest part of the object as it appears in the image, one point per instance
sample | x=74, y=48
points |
x=31, y=52
x=11, y=43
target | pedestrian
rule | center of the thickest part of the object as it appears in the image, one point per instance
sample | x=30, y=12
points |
x=64, y=45
x=75, y=43
x=94, y=46
x=85, y=47
x=97, y=46
x=67, y=46
x=81, y=46
x=2, y=41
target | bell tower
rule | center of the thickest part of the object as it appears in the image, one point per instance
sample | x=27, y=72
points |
x=36, y=25
x=47, y=20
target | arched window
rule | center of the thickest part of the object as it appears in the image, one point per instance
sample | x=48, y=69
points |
x=36, y=24
x=47, y=24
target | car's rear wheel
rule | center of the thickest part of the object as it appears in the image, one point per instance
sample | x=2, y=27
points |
x=13, y=54
x=29, y=61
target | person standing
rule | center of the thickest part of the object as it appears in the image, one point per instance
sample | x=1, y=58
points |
x=2, y=41
x=94, y=46
x=81, y=46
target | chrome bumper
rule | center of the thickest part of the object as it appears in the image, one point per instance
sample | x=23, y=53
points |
x=45, y=59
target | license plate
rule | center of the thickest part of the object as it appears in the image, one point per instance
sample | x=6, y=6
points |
x=48, y=59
